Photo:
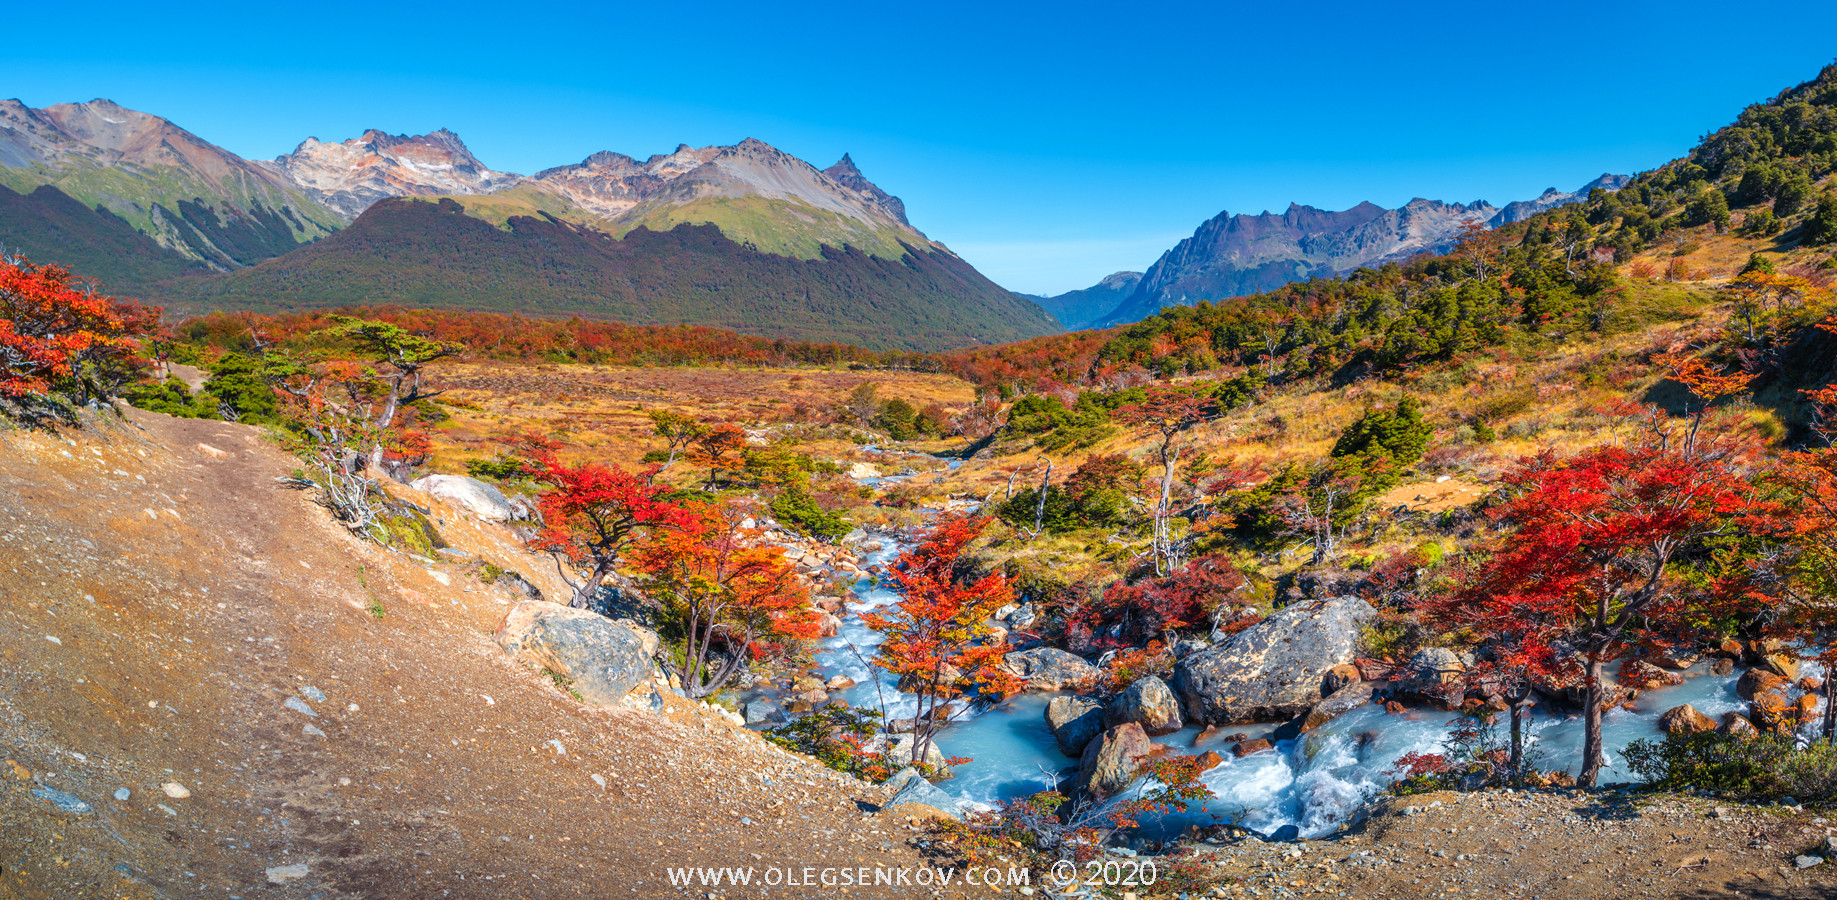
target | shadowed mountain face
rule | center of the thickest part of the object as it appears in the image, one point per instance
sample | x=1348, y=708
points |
x=1234, y=255
x=817, y=254
x=1084, y=308
x=186, y=194
x=432, y=254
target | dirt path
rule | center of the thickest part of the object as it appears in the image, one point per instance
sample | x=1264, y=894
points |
x=167, y=613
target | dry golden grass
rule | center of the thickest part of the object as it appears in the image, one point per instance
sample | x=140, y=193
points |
x=602, y=411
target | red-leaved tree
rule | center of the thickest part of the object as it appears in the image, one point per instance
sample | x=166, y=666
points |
x=1588, y=571
x=58, y=336
x=938, y=638
x=593, y=512
x=736, y=600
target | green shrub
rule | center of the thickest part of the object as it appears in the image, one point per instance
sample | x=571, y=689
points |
x=1711, y=761
x=796, y=508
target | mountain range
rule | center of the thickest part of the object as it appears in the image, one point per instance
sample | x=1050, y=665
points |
x=762, y=241
x=1235, y=255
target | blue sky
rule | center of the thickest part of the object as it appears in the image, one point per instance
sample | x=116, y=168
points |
x=1048, y=143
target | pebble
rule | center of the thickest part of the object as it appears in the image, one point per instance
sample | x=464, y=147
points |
x=175, y=790
x=309, y=728
x=299, y=706
x=69, y=803
x=284, y=874
x=54, y=640
x=313, y=694
x=123, y=794
x=1806, y=862
x=599, y=779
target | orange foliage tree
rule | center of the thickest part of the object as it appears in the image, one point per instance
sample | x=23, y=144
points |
x=938, y=638
x=57, y=336
x=593, y=512
x=735, y=599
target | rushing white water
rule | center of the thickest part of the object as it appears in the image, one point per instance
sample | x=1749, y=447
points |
x=1314, y=782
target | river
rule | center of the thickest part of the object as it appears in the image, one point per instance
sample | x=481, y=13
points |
x=1314, y=782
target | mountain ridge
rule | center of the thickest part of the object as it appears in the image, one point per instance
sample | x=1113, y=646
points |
x=1237, y=254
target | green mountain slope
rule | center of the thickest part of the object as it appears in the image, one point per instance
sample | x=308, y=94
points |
x=417, y=253
x=47, y=226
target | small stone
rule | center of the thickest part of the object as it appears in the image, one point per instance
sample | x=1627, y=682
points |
x=299, y=706
x=313, y=694
x=67, y=803
x=285, y=874
x=1722, y=812
x=599, y=780
x=175, y=790
x=1806, y=862
x=310, y=729
x=122, y=794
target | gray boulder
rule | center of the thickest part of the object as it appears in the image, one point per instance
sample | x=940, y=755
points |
x=1112, y=762
x=1275, y=668
x=916, y=791
x=1434, y=675
x=759, y=712
x=1050, y=669
x=474, y=496
x=605, y=659
x=902, y=751
x=1148, y=703
x=1074, y=722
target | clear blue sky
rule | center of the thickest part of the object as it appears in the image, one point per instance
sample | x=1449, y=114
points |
x=1048, y=143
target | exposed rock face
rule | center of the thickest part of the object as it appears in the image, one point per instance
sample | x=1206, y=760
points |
x=1275, y=668
x=1685, y=720
x=1074, y=721
x=1050, y=669
x=1147, y=702
x=1113, y=761
x=605, y=659
x=350, y=175
x=474, y=496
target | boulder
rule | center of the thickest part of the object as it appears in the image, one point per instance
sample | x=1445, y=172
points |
x=1433, y=674
x=1343, y=701
x=1338, y=677
x=1685, y=720
x=1780, y=663
x=1677, y=659
x=470, y=494
x=1147, y=702
x=1050, y=669
x=1246, y=748
x=605, y=659
x=1755, y=682
x=1773, y=712
x=839, y=683
x=900, y=751
x=1023, y=617
x=759, y=712
x=1275, y=668
x=1074, y=721
x=1722, y=666
x=1737, y=724
x=1209, y=759
x=918, y=797
x=1112, y=762
x=1645, y=676
x=1211, y=734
